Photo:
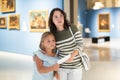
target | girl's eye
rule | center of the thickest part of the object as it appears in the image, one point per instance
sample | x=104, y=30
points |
x=49, y=41
x=53, y=40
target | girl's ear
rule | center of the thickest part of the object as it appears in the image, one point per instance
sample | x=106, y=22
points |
x=42, y=46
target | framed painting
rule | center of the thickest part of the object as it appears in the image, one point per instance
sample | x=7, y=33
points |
x=13, y=21
x=7, y=5
x=38, y=20
x=3, y=22
x=104, y=22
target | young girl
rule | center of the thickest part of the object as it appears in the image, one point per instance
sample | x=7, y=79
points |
x=46, y=61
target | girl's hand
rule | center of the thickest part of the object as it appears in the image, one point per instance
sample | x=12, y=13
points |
x=57, y=76
x=55, y=67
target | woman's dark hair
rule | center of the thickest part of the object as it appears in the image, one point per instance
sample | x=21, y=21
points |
x=52, y=26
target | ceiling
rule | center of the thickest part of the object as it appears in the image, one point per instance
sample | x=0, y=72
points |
x=106, y=3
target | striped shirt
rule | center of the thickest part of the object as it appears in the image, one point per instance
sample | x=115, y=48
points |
x=65, y=44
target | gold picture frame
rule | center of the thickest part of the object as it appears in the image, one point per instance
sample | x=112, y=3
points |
x=104, y=22
x=38, y=20
x=13, y=21
x=7, y=5
x=3, y=22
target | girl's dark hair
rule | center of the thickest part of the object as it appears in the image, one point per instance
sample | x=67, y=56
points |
x=52, y=26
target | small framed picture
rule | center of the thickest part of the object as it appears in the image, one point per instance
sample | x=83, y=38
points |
x=7, y=5
x=38, y=20
x=13, y=21
x=104, y=22
x=3, y=22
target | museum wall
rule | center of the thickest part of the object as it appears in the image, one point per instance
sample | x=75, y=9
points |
x=23, y=40
x=113, y=28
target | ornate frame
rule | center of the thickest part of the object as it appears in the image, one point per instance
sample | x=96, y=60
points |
x=13, y=21
x=104, y=22
x=38, y=20
x=7, y=5
x=3, y=22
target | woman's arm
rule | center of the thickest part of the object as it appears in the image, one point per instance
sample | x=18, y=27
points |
x=75, y=52
x=78, y=41
x=42, y=69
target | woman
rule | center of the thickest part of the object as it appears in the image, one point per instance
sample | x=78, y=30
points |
x=59, y=26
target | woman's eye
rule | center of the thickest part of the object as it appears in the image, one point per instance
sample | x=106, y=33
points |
x=56, y=17
x=61, y=15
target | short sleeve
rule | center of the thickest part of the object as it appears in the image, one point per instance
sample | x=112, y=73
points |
x=39, y=54
x=46, y=58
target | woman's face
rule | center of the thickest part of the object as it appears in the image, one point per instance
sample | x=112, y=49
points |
x=58, y=19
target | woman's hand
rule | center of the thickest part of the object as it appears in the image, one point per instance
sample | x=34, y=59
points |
x=75, y=52
x=70, y=59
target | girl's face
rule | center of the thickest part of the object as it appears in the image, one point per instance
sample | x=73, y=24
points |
x=58, y=19
x=49, y=42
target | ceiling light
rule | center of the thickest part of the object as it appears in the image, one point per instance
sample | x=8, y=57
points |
x=98, y=5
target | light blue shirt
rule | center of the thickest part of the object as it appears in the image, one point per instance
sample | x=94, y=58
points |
x=47, y=61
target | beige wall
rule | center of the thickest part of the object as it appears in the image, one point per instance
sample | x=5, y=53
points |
x=106, y=3
x=75, y=10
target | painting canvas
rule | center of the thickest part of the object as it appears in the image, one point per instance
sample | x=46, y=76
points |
x=3, y=22
x=13, y=21
x=7, y=5
x=104, y=22
x=38, y=20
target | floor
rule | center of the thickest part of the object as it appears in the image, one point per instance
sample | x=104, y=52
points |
x=104, y=58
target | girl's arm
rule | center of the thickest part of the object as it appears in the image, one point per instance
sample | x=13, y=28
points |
x=56, y=75
x=42, y=69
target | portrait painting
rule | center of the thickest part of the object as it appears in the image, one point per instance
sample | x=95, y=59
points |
x=13, y=21
x=7, y=5
x=3, y=22
x=38, y=20
x=103, y=22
